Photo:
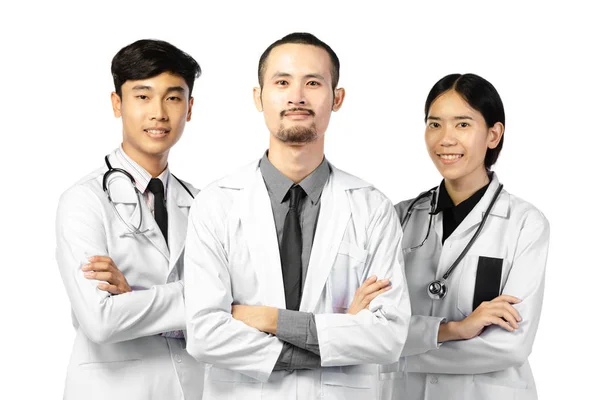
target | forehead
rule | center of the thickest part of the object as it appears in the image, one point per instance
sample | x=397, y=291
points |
x=450, y=104
x=298, y=59
x=160, y=83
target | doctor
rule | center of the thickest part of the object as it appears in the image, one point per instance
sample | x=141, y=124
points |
x=287, y=241
x=121, y=257
x=475, y=258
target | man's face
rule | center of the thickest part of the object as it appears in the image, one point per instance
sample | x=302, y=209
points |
x=154, y=112
x=297, y=97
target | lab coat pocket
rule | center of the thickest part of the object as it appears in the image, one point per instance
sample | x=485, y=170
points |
x=347, y=383
x=346, y=275
x=224, y=383
x=479, y=280
x=392, y=380
x=490, y=388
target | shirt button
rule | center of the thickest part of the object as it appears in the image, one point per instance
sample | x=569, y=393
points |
x=433, y=380
x=177, y=358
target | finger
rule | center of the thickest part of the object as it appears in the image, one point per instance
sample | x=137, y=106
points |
x=370, y=297
x=109, y=288
x=501, y=323
x=376, y=286
x=508, y=317
x=100, y=259
x=513, y=311
x=97, y=266
x=507, y=298
x=370, y=280
x=102, y=276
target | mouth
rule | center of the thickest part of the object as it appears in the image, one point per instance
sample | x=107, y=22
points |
x=450, y=158
x=157, y=132
x=297, y=113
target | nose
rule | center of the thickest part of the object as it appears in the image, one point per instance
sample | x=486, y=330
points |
x=296, y=96
x=448, y=136
x=158, y=111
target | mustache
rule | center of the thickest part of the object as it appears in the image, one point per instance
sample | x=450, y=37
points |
x=310, y=112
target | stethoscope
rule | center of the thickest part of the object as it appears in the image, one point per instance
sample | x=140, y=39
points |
x=438, y=288
x=133, y=230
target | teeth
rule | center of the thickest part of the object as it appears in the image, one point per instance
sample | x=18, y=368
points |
x=450, y=156
x=155, y=131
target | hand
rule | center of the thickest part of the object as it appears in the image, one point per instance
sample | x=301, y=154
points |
x=262, y=318
x=370, y=289
x=498, y=311
x=104, y=269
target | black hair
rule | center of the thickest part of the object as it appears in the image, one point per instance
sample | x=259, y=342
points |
x=481, y=96
x=147, y=58
x=301, y=38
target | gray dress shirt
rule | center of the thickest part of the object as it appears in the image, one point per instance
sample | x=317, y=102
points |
x=297, y=329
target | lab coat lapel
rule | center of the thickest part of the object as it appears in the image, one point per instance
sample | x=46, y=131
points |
x=178, y=204
x=331, y=225
x=127, y=201
x=472, y=221
x=258, y=225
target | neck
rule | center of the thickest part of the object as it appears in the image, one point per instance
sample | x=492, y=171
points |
x=153, y=164
x=296, y=161
x=461, y=189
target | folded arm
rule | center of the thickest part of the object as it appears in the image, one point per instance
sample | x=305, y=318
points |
x=104, y=318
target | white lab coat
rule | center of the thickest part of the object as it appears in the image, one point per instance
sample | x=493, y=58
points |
x=493, y=365
x=118, y=353
x=232, y=257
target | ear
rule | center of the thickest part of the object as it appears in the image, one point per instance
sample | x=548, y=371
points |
x=257, y=92
x=338, y=98
x=189, y=113
x=116, y=104
x=494, y=135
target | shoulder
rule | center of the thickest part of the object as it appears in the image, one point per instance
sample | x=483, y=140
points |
x=89, y=185
x=525, y=213
x=193, y=190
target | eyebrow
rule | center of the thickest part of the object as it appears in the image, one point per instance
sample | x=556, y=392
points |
x=178, y=89
x=454, y=118
x=288, y=75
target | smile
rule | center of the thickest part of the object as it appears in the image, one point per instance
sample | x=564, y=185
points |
x=157, y=132
x=450, y=156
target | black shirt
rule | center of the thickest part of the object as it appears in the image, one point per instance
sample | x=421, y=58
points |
x=454, y=214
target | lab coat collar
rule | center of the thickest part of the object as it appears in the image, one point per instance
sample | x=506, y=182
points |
x=500, y=209
x=244, y=178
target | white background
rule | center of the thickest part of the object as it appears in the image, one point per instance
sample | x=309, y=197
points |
x=57, y=126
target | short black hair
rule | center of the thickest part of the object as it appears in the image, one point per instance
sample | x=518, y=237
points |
x=301, y=38
x=146, y=58
x=481, y=96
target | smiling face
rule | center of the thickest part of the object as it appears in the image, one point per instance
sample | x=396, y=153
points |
x=297, y=96
x=457, y=139
x=154, y=112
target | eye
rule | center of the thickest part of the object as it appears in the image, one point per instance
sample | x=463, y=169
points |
x=142, y=97
x=464, y=124
x=281, y=83
x=313, y=83
x=434, y=125
x=173, y=98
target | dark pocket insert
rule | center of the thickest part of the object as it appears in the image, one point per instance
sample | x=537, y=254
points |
x=487, y=282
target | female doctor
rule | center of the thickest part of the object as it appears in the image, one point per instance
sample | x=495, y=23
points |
x=475, y=258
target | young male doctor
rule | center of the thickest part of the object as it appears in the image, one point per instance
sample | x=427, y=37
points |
x=120, y=252
x=289, y=242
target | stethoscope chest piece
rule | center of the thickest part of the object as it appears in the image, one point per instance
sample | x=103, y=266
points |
x=437, y=289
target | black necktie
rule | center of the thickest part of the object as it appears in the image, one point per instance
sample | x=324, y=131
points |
x=160, y=210
x=291, y=251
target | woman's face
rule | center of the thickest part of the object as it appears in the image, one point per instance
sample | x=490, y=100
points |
x=457, y=138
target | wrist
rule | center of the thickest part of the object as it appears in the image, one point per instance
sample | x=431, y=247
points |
x=449, y=331
x=271, y=314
